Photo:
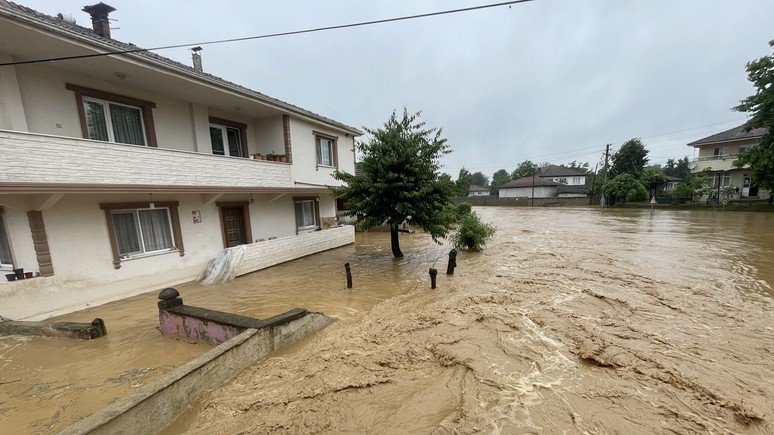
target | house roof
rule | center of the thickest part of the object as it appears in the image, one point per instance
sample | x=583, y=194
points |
x=563, y=188
x=558, y=171
x=736, y=133
x=527, y=182
x=80, y=33
x=474, y=188
x=671, y=178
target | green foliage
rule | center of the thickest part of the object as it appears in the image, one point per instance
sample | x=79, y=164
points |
x=760, y=106
x=479, y=179
x=621, y=186
x=631, y=158
x=400, y=179
x=652, y=177
x=498, y=179
x=683, y=191
x=525, y=169
x=678, y=168
x=638, y=194
x=471, y=233
x=582, y=167
x=463, y=183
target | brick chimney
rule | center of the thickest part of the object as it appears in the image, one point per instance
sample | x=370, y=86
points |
x=99, y=18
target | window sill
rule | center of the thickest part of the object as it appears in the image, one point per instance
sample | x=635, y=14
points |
x=150, y=254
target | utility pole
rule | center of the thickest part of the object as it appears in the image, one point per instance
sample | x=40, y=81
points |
x=604, y=181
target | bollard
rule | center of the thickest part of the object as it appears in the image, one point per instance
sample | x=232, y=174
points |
x=349, y=275
x=452, y=262
x=433, y=274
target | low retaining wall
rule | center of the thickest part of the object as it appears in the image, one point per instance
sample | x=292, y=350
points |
x=80, y=331
x=157, y=405
x=480, y=201
x=269, y=253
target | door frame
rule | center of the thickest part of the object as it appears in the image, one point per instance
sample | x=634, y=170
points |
x=245, y=207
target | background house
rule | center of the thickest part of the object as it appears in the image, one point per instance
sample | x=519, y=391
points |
x=478, y=191
x=549, y=181
x=529, y=187
x=126, y=173
x=717, y=153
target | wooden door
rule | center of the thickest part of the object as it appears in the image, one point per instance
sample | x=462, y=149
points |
x=234, y=226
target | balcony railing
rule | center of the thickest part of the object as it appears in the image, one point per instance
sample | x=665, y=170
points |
x=717, y=157
x=36, y=158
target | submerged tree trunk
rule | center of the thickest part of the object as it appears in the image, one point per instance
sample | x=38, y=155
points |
x=394, y=242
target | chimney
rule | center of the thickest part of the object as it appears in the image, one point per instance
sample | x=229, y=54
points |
x=99, y=18
x=197, y=58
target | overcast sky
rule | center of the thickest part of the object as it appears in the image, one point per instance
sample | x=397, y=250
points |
x=547, y=80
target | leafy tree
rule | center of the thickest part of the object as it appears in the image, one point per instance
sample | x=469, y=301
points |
x=471, y=233
x=631, y=158
x=621, y=186
x=400, y=180
x=652, y=177
x=678, y=168
x=760, y=106
x=479, y=179
x=463, y=183
x=525, y=169
x=582, y=167
x=498, y=179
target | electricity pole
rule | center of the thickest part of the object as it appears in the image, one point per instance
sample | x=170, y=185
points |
x=604, y=180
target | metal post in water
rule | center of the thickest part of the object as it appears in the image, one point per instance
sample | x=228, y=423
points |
x=452, y=262
x=433, y=274
x=349, y=275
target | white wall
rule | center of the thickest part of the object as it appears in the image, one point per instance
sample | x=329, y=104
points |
x=268, y=136
x=526, y=192
x=305, y=169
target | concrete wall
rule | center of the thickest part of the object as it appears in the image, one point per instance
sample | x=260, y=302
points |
x=271, y=252
x=157, y=405
x=524, y=202
x=305, y=169
x=56, y=159
x=526, y=192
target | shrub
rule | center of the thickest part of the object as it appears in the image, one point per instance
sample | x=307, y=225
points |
x=471, y=233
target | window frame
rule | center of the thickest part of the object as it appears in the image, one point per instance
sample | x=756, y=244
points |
x=316, y=205
x=318, y=137
x=174, y=218
x=242, y=128
x=146, y=110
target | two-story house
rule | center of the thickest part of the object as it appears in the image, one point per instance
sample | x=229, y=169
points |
x=123, y=171
x=717, y=153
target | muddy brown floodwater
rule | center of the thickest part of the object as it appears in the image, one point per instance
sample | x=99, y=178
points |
x=572, y=321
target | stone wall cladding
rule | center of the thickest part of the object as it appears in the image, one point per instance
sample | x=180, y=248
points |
x=269, y=253
x=37, y=158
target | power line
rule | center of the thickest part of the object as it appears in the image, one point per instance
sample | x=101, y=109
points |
x=272, y=35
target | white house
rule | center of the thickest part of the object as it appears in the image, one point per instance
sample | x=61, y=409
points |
x=475, y=190
x=529, y=187
x=128, y=172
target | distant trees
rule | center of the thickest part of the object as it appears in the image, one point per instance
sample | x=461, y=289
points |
x=525, y=169
x=678, y=168
x=622, y=186
x=498, y=179
x=631, y=158
x=479, y=179
x=462, y=185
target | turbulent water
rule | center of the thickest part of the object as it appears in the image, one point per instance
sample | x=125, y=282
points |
x=574, y=321
x=570, y=321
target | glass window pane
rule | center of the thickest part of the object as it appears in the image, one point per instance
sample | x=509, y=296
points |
x=5, y=248
x=96, y=123
x=156, y=232
x=234, y=143
x=127, y=124
x=216, y=137
x=325, y=152
x=305, y=217
x=127, y=236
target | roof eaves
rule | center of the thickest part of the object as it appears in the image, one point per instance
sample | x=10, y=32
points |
x=83, y=34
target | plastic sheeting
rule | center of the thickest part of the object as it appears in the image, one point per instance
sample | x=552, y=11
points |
x=223, y=267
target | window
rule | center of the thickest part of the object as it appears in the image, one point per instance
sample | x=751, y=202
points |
x=5, y=248
x=138, y=229
x=228, y=138
x=307, y=214
x=114, y=118
x=326, y=149
x=112, y=122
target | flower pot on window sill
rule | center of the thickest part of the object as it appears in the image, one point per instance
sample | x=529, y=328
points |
x=10, y=276
x=27, y=275
x=283, y=159
x=19, y=273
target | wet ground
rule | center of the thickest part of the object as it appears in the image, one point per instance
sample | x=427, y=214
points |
x=572, y=320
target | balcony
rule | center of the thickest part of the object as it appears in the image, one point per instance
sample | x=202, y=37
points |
x=30, y=159
x=720, y=162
